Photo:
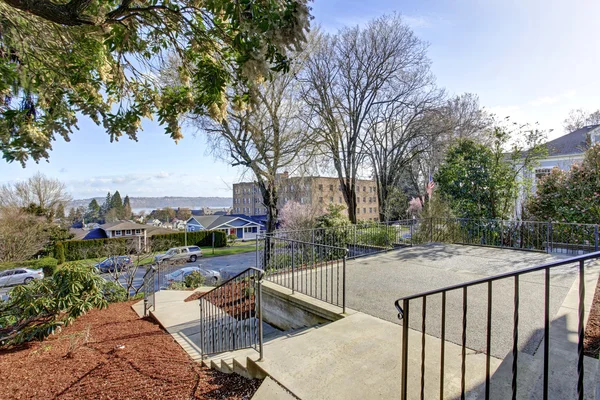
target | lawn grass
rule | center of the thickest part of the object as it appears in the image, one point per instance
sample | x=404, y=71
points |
x=237, y=248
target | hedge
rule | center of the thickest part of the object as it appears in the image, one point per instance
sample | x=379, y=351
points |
x=201, y=238
x=48, y=264
x=73, y=250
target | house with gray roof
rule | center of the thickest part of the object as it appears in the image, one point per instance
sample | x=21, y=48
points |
x=241, y=226
x=563, y=152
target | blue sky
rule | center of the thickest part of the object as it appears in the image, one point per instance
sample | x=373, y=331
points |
x=532, y=60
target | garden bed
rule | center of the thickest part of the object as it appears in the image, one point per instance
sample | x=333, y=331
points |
x=592, y=330
x=125, y=357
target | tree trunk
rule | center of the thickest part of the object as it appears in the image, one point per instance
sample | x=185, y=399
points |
x=269, y=195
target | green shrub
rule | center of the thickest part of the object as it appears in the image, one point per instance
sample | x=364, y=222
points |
x=201, y=238
x=59, y=252
x=113, y=292
x=47, y=264
x=35, y=311
x=74, y=250
x=177, y=286
x=194, y=280
x=231, y=240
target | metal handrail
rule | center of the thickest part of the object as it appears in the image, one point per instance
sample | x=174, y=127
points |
x=403, y=314
x=232, y=322
x=231, y=279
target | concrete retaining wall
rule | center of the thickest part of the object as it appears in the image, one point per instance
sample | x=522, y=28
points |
x=286, y=311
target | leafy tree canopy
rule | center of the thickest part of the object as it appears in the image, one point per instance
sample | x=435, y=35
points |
x=570, y=196
x=483, y=182
x=60, y=60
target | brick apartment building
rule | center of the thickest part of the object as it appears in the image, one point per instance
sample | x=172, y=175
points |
x=312, y=190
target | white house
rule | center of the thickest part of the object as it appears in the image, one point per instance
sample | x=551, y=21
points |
x=243, y=228
x=563, y=152
x=126, y=229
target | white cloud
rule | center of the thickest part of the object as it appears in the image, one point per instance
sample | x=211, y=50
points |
x=546, y=100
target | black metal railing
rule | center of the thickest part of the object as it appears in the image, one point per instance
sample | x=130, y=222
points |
x=548, y=237
x=403, y=305
x=374, y=237
x=360, y=239
x=149, y=286
x=314, y=269
x=231, y=315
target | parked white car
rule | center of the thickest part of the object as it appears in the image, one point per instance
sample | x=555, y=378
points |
x=19, y=276
x=189, y=253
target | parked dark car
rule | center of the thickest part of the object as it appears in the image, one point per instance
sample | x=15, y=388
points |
x=109, y=265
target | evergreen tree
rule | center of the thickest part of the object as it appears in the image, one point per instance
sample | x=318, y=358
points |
x=116, y=203
x=105, y=206
x=60, y=211
x=127, y=212
x=93, y=211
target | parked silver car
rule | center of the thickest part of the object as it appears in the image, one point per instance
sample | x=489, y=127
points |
x=19, y=276
x=211, y=276
x=189, y=253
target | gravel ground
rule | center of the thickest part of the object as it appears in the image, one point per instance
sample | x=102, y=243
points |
x=125, y=358
x=374, y=283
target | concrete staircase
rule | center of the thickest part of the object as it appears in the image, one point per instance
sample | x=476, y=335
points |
x=357, y=357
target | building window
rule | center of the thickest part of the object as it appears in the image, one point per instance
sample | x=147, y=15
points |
x=364, y=188
x=542, y=172
x=331, y=187
x=320, y=199
x=358, y=199
x=370, y=210
x=358, y=210
x=138, y=231
x=364, y=210
x=128, y=232
x=364, y=199
x=321, y=187
x=117, y=233
x=374, y=209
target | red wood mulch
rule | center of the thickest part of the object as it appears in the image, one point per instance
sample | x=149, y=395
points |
x=591, y=342
x=194, y=296
x=149, y=366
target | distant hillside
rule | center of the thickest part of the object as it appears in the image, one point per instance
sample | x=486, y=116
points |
x=160, y=202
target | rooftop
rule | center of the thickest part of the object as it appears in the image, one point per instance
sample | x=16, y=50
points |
x=575, y=142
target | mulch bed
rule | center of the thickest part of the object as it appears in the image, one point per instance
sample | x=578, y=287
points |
x=591, y=342
x=125, y=357
x=194, y=296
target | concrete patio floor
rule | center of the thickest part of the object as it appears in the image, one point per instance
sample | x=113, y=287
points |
x=375, y=282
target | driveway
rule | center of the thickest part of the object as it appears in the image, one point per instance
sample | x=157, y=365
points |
x=374, y=283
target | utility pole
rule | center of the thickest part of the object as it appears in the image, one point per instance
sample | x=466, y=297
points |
x=185, y=235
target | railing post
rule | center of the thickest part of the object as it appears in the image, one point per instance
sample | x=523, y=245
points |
x=404, y=363
x=260, y=321
x=596, y=238
x=344, y=283
x=201, y=331
x=411, y=233
x=293, y=286
x=549, y=238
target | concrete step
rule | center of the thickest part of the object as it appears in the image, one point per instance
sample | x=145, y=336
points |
x=329, y=362
x=271, y=390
